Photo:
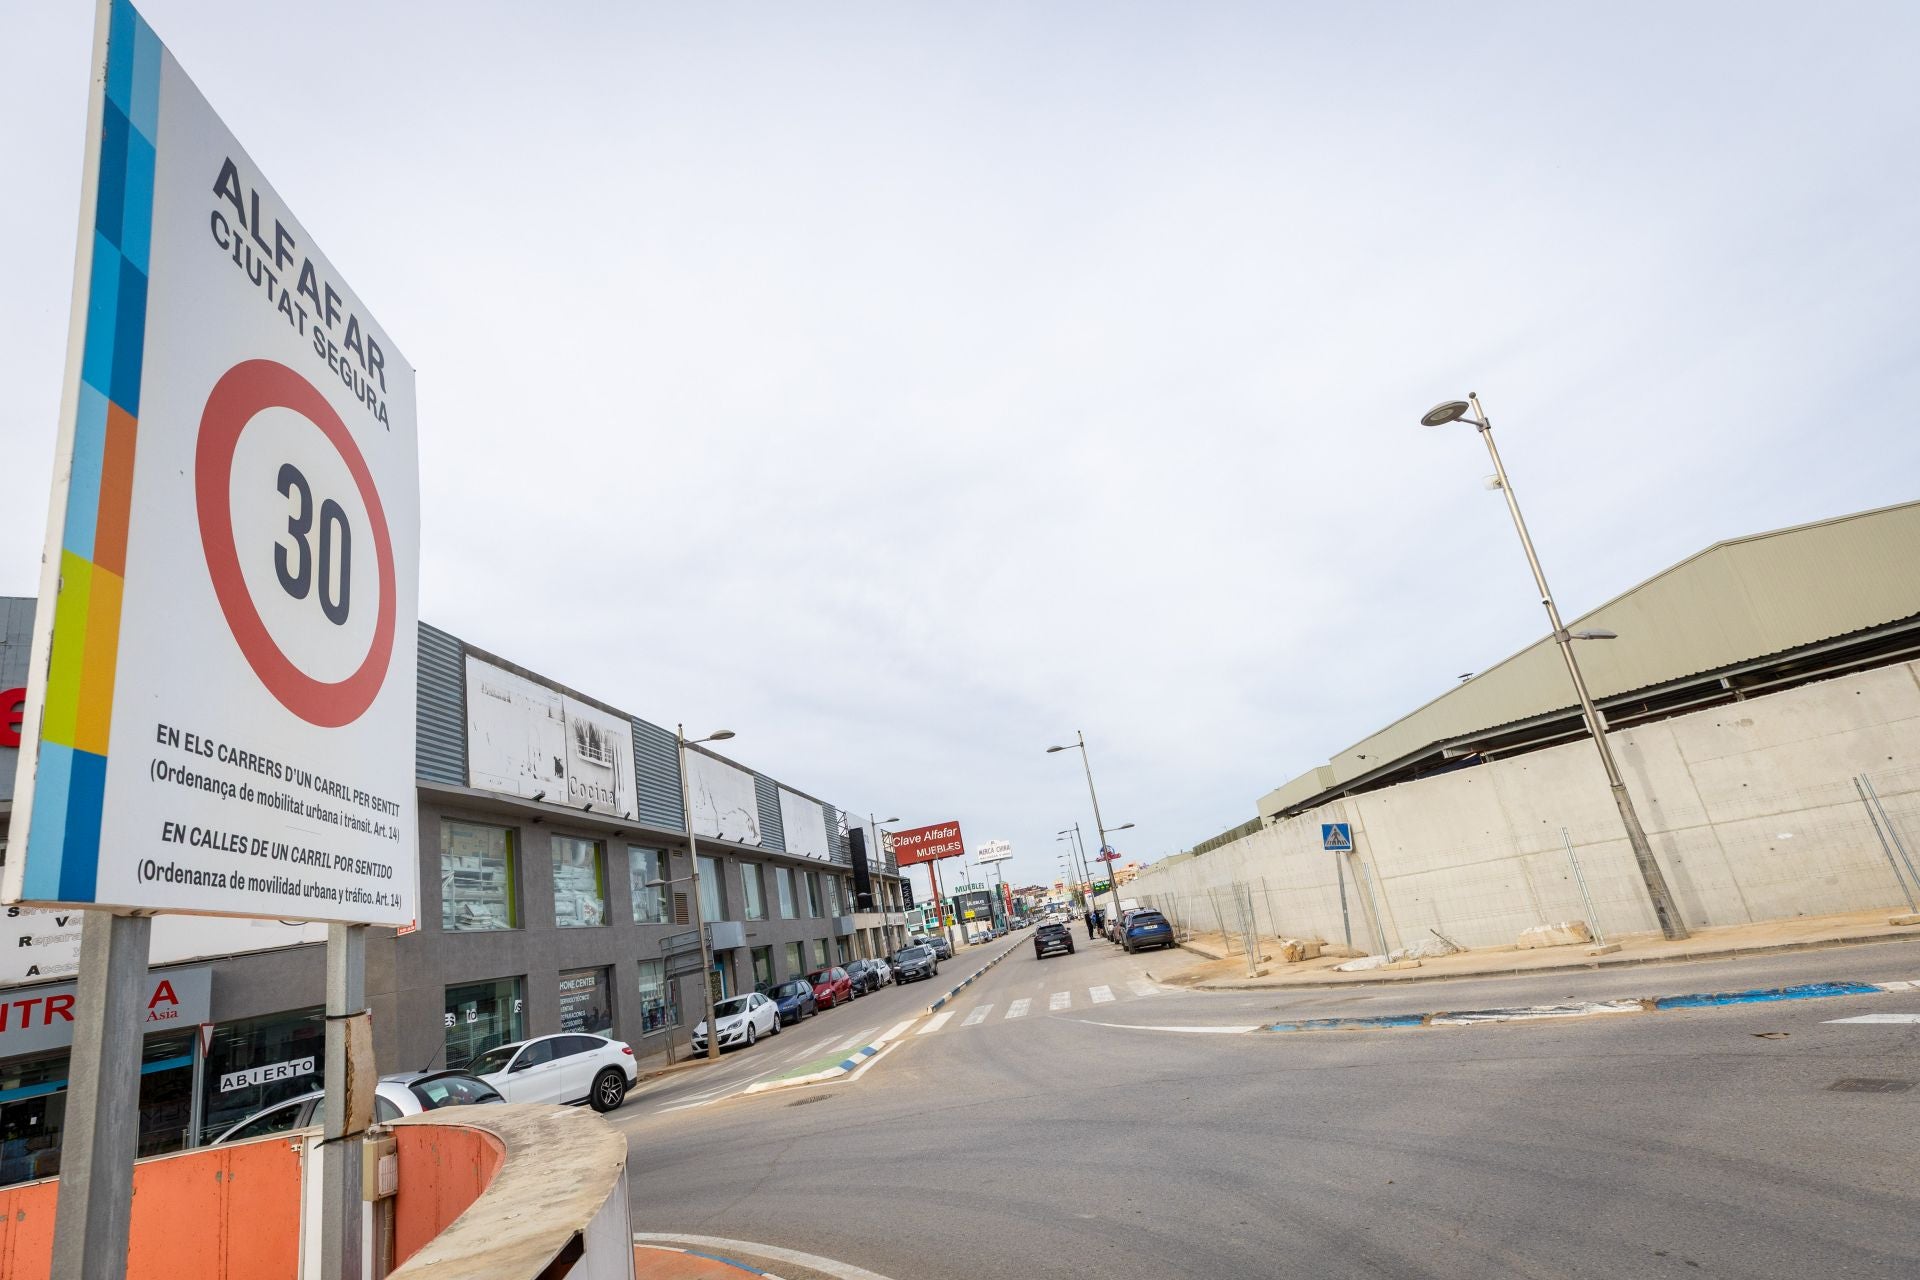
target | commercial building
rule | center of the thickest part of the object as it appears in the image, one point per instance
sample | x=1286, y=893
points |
x=555, y=895
x=1758, y=695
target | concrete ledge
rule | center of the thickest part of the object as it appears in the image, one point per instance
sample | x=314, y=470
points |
x=563, y=1168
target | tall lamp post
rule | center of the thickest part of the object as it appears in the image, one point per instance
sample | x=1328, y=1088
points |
x=1080, y=745
x=878, y=857
x=693, y=852
x=1079, y=846
x=1469, y=411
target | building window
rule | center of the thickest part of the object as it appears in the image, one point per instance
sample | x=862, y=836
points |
x=643, y=867
x=796, y=960
x=845, y=946
x=579, y=883
x=712, y=898
x=754, y=893
x=819, y=953
x=762, y=969
x=481, y=1015
x=783, y=882
x=256, y=1062
x=658, y=1010
x=476, y=878
x=586, y=1001
x=833, y=895
x=812, y=879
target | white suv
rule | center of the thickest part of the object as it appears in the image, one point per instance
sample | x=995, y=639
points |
x=568, y=1068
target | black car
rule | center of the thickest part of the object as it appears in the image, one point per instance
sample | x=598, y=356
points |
x=914, y=962
x=1051, y=939
x=865, y=977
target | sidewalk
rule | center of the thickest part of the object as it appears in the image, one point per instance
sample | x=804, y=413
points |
x=1219, y=970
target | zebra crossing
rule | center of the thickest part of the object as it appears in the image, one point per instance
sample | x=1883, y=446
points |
x=991, y=1011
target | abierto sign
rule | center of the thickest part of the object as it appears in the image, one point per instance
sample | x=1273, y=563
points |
x=220, y=707
x=925, y=844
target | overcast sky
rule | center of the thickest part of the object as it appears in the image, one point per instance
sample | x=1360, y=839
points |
x=906, y=387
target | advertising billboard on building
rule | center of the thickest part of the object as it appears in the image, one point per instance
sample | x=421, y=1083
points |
x=525, y=739
x=726, y=805
x=926, y=844
x=220, y=704
x=804, y=824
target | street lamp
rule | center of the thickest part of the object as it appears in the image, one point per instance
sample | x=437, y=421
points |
x=1469, y=411
x=1080, y=745
x=693, y=852
x=878, y=856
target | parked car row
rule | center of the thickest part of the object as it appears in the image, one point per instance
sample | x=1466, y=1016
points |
x=1132, y=928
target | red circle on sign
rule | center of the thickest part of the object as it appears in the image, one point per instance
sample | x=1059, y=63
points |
x=242, y=392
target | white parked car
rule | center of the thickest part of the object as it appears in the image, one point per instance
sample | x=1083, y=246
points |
x=404, y=1094
x=568, y=1068
x=741, y=1019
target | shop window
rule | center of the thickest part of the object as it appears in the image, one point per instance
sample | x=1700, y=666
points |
x=644, y=866
x=477, y=878
x=579, y=883
x=713, y=898
x=783, y=882
x=586, y=1001
x=796, y=960
x=819, y=953
x=481, y=1015
x=256, y=1062
x=658, y=1010
x=762, y=969
x=845, y=946
x=754, y=899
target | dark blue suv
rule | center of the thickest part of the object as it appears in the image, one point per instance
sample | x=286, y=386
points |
x=1143, y=929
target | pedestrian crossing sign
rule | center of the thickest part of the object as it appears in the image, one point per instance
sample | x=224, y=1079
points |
x=1336, y=837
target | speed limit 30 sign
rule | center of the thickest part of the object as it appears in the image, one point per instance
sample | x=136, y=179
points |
x=220, y=716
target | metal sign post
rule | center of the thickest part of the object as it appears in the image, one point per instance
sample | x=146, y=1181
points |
x=95, y=1207
x=349, y=1103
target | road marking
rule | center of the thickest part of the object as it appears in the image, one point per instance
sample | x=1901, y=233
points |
x=1061, y=1000
x=978, y=1016
x=1100, y=994
x=936, y=1022
x=1199, y=1031
x=1018, y=1009
x=900, y=1029
x=774, y=1253
x=860, y=1041
x=1882, y=1018
x=875, y=1057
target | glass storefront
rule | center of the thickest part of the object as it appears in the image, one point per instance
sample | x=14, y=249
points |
x=476, y=878
x=33, y=1106
x=643, y=867
x=256, y=1062
x=796, y=960
x=586, y=1001
x=657, y=1008
x=762, y=968
x=819, y=953
x=579, y=883
x=481, y=1015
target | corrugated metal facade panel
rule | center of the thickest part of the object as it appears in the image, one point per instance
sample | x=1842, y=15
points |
x=656, y=763
x=838, y=846
x=440, y=714
x=773, y=833
x=1733, y=602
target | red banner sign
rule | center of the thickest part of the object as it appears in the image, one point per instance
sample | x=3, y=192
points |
x=13, y=714
x=924, y=844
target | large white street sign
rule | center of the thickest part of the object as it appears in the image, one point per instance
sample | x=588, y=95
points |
x=220, y=710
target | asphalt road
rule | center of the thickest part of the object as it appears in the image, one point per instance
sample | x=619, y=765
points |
x=1044, y=1140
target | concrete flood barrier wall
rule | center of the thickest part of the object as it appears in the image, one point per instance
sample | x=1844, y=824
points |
x=1750, y=807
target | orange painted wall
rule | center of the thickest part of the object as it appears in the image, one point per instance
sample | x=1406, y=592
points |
x=219, y=1213
x=443, y=1169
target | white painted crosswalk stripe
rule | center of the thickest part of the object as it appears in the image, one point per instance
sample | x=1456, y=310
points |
x=1101, y=994
x=1061, y=1000
x=1018, y=1009
x=1880, y=1018
x=936, y=1022
x=978, y=1016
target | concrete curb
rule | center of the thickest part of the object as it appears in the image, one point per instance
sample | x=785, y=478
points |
x=858, y=1058
x=972, y=978
x=1584, y=966
x=1592, y=1008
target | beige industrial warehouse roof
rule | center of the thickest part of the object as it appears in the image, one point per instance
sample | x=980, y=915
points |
x=1734, y=602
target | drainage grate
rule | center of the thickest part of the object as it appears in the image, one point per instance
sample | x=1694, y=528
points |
x=1866, y=1084
x=818, y=1097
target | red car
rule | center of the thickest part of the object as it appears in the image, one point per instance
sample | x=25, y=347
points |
x=831, y=986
